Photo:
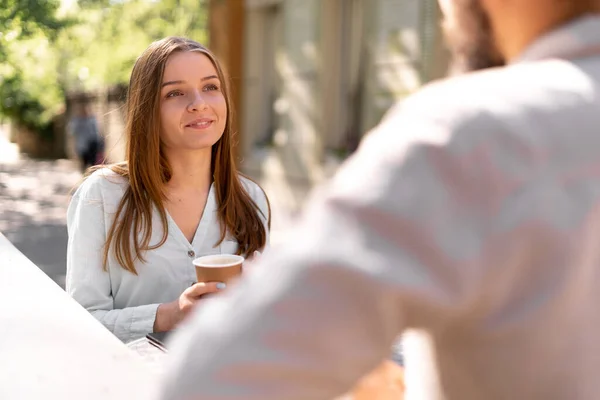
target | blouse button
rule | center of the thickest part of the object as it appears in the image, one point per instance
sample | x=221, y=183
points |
x=191, y=253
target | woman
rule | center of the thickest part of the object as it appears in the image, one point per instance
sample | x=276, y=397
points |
x=134, y=228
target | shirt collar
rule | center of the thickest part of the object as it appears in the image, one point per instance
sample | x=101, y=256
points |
x=578, y=38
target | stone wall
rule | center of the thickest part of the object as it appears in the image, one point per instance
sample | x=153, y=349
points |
x=36, y=146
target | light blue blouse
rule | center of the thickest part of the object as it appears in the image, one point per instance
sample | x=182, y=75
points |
x=123, y=302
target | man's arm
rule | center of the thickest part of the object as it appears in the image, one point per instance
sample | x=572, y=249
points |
x=391, y=243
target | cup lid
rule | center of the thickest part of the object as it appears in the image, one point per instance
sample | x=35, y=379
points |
x=218, y=260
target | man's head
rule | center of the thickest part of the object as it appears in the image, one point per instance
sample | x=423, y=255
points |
x=469, y=34
x=489, y=33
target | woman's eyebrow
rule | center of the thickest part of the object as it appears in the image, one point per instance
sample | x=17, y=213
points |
x=180, y=81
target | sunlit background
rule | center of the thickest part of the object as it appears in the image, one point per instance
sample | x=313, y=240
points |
x=310, y=78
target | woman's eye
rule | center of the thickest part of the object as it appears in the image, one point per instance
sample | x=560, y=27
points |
x=208, y=88
x=174, y=93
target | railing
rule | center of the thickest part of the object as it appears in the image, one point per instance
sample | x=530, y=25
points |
x=52, y=348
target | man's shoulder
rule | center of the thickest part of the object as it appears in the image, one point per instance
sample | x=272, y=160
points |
x=460, y=97
x=496, y=94
x=442, y=111
x=479, y=110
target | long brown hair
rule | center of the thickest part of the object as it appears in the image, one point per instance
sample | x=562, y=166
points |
x=147, y=169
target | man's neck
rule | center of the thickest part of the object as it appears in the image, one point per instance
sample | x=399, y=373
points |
x=519, y=26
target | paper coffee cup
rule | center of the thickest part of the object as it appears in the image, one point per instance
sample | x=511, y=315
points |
x=218, y=267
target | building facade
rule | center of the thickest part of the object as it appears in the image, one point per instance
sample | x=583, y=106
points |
x=312, y=77
x=318, y=74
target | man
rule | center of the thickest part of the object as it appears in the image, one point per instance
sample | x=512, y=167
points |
x=470, y=215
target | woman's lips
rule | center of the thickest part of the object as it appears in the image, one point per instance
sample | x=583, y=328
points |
x=200, y=124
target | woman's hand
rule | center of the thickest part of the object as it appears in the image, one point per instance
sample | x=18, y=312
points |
x=171, y=314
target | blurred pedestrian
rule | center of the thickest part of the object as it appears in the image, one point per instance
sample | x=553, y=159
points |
x=89, y=143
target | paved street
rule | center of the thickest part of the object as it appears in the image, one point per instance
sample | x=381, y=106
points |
x=34, y=197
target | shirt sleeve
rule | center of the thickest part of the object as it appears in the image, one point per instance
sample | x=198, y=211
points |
x=259, y=196
x=393, y=242
x=86, y=281
x=263, y=205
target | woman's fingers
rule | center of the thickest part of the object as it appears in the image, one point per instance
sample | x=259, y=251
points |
x=202, y=288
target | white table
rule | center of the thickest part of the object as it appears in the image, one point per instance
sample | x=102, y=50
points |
x=51, y=348
x=151, y=355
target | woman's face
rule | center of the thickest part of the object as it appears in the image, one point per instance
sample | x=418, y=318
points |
x=193, y=110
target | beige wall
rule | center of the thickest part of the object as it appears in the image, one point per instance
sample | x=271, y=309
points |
x=281, y=101
x=320, y=73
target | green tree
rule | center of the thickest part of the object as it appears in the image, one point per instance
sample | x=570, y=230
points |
x=49, y=48
x=105, y=55
x=24, y=18
x=28, y=93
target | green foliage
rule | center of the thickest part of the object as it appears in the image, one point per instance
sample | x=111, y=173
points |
x=23, y=18
x=122, y=30
x=29, y=94
x=28, y=91
x=49, y=48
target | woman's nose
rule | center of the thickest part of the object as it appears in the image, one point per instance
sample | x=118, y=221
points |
x=198, y=103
